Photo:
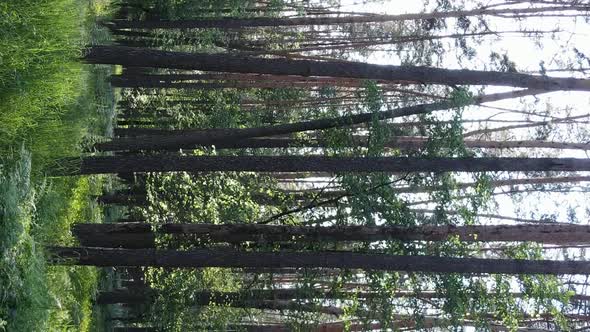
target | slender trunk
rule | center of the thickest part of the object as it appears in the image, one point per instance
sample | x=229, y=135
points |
x=331, y=259
x=230, y=22
x=235, y=233
x=399, y=142
x=146, y=295
x=489, y=216
x=138, y=123
x=345, y=44
x=511, y=191
x=322, y=327
x=459, y=186
x=168, y=84
x=232, y=77
x=410, y=142
x=141, y=57
x=191, y=138
x=484, y=132
x=173, y=163
x=264, y=300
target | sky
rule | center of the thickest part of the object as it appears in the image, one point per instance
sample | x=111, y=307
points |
x=527, y=54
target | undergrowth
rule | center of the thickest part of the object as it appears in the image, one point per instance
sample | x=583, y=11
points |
x=50, y=105
x=34, y=296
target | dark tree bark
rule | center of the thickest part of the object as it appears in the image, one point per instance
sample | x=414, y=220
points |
x=345, y=260
x=398, y=142
x=245, y=81
x=129, y=235
x=141, y=57
x=134, y=329
x=230, y=22
x=123, y=199
x=173, y=163
x=131, y=219
x=128, y=296
x=235, y=233
x=134, y=296
x=256, y=299
x=323, y=327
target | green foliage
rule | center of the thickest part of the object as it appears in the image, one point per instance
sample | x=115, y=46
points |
x=36, y=297
x=206, y=198
x=461, y=97
x=445, y=139
x=178, y=313
x=502, y=62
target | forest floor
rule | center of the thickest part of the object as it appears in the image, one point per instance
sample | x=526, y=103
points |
x=51, y=106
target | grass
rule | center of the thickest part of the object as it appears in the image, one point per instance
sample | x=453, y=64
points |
x=37, y=297
x=50, y=106
x=41, y=78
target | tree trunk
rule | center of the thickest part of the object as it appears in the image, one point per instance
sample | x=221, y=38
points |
x=256, y=299
x=134, y=296
x=331, y=259
x=322, y=327
x=192, y=138
x=488, y=131
x=399, y=142
x=335, y=190
x=130, y=199
x=409, y=142
x=128, y=235
x=236, y=233
x=142, y=57
x=230, y=81
x=489, y=216
x=230, y=22
x=174, y=163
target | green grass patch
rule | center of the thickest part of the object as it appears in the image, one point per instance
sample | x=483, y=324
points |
x=72, y=288
x=34, y=296
x=41, y=78
x=23, y=290
x=51, y=105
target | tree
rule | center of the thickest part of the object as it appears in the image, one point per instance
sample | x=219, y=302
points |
x=261, y=299
x=398, y=142
x=141, y=57
x=234, y=233
x=343, y=260
x=333, y=20
x=172, y=163
x=192, y=138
